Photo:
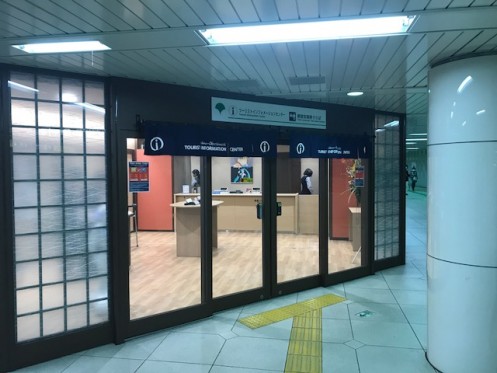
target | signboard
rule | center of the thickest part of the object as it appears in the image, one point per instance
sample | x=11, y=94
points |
x=238, y=111
x=205, y=141
x=315, y=146
x=138, y=177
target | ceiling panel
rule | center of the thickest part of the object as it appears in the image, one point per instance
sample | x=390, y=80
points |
x=156, y=40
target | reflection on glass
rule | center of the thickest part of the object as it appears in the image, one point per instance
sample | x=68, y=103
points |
x=346, y=189
x=298, y=226
x=237, y=249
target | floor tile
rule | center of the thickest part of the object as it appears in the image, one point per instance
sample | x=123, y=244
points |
x=268, y=305
x=386, y=312
x=384, y=334
x=338, y=358
x=53, y=366
x=255, y=353
x=416, y=314
x=162, y=366
x=212, y=325
x=221, y=369
x=392, y=360
x=421, y=331
x=370, y=295
x=410, y=297
x=337, y=331
x=370, y=282
x=85, y=364
x=189, y=348
x=336, y=311
x=398, y=282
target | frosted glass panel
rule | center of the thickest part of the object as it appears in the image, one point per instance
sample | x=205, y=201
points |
x=97, y=240
x=26, y=80
x=76, y=292
x=48, y=114
x=95, y=120
x=94, y=93
x=95, y=167
x=74, y=167
x=25, y=167
x=49, y=140
x=73, y=141
x=97, y=191
x=72, y=90
x=75, y=192
x=75, y=217
x=98, y=288
x=27, y=274
x=24, y=140
x=97, y=216
x=52, y=244
x=28, y=327
x=76, y=242
x=51, y=219
x=23, y=113
x=48, y=88
x=28, y=300
x=50, y=167
x=97, y=264
x=76, y=267
x=76, y=317
x=53, y=322
x=50, y=193
x=98, y=312
x=26, y=221
x=27, y=247
x=95, y=142
x=25, y=194
x=52, y=296
x=52, y=270
x=72, y=116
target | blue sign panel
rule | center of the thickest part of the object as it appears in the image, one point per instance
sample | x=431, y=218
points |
x=161, y=139
x=314, y=146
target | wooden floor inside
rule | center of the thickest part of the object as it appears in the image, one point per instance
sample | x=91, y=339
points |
x=161, y=281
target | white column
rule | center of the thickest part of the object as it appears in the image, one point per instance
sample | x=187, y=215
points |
x=462, y=216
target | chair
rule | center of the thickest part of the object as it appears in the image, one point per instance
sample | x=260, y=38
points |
x=132, y=215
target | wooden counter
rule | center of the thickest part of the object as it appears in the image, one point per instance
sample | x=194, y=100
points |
x=187, y=222
x=239, y=211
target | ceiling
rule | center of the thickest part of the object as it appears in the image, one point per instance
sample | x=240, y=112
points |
x=156, y=40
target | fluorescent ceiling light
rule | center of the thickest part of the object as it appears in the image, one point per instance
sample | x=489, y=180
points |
x=63, y=47
x=92, y=107
x=418, y=134
x=412, y=148
x=380, y=130
x=411, y=143
x=308, y=31
x=355, y=93
x=21, y=87
x=393, y=123
x=417, y=139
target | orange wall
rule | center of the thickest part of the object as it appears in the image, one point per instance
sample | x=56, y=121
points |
x=153, y=207
x=340, y=202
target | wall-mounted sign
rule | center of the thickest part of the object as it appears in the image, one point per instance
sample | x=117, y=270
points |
x=138, y=177
x=238, y=111
x=173, y=139
x=315, y=146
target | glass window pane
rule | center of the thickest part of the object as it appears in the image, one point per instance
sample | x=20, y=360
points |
x=48, y=114
x=28, y=300
x=95, y=119
x=97, y=239
x=52, y=244
x=97, y=264
x=25, y=194
x=53, y=322
x=75, y=217
x=73, y=141
x=27, y=247
x=50, y=167
x=99, y=312
x=76, y=317
x=76, y=267
x=74, y=192
x=95, y=167
x=23, y=85
x=94, y=93
x=95, y=142
x=50, y=193
x=76, y=242
x=52, y=270
x=27, y=274
x=24, y=140
x=72, y=116
x=74, y=167
x=51, y=219
x=76, y=292
x=97, y=216
x=49, y=140
x=97, y=191
x=53, y=296
x=28, y=327
x=98, y=288
x=26, y=221
x=25, y=167
x=48, y=87
x=23, y=113
x=72, y=90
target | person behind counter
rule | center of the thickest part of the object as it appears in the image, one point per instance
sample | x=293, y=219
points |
x=305, y=182
x=195, y=180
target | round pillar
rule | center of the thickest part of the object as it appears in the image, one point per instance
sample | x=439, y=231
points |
x=462, y=216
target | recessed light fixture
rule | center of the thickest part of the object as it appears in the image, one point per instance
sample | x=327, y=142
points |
x=418, y=134
x=355, y=93
x=417, y=139
x=412, y=148
x=411, y=143
x=63, y=47
x=308, y=31
x=393, y=123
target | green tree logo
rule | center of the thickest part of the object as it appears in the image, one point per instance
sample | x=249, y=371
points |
x=220, y=107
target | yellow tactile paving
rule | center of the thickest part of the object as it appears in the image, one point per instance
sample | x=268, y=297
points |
x=283, y=313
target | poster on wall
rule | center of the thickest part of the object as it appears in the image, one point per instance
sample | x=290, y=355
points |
x=242, y=170
x=138, y=177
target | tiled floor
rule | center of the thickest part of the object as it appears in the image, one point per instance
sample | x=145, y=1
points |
x=391, y=337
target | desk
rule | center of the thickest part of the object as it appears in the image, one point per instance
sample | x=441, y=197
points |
x=355, y=227
x=187, y=222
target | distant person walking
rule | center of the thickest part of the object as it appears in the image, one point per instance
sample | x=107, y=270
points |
x=414, y=177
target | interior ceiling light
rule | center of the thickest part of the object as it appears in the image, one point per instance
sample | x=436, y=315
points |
x=418, y=134
x=393, y=123
x=21, y=87
x=417, y=139
x=63, y=47
x=355, y=93
x=308, y=31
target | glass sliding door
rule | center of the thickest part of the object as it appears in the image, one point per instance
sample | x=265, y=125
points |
x=237, y=241
x=297, y=226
